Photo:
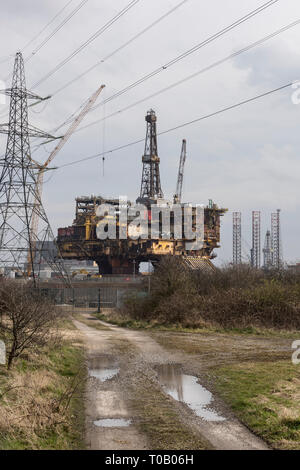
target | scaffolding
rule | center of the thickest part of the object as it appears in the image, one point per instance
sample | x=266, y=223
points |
x=237, y=238
x=276, y=240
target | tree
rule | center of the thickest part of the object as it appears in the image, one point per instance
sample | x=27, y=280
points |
x=27, y=318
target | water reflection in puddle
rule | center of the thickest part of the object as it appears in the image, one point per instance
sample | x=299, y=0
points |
x=112, y=423
x=186, y=389
x=103, y=374
x=103, y=368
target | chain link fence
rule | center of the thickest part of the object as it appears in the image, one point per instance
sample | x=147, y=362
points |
x=87, y=297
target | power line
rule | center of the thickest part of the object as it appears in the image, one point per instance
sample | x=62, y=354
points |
x=189, y=52
x=199, y=72
x=5, y=58
x=47, y=25
x=202, y=44
x=244, y=18
x=88, y=42
x=111, y=54
x=205, y=69
x=241, y=20
x=123, y=46
x=202, y=118
x=58, y=28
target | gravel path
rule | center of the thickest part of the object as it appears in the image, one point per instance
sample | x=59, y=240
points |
x=133, y=357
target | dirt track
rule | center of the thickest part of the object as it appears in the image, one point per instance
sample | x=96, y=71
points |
x=136, y=355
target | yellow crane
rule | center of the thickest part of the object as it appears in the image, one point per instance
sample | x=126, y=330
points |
x=42, y=168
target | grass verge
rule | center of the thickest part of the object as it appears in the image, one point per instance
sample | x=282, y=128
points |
x=118, y=318
x=41, y=398
x=266, y=398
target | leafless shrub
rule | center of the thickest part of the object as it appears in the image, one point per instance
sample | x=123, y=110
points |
x=270, y=305
x=226, y=278
x=27, y=318
x=171, y=277
x=232, y=297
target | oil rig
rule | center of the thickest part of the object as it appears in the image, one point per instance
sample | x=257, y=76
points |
x=123, y=255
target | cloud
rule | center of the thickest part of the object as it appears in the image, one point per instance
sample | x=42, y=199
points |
x=244, y=159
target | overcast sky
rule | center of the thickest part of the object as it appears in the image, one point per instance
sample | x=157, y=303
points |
x=245, y=159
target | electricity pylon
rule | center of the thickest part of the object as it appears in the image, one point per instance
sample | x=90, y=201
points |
x=21, y=250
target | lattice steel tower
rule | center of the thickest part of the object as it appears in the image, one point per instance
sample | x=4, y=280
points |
x=237, y=238
x=151, y=186
x=276, y=240
x=20, y=249
x=267, y=251
x=256, y=240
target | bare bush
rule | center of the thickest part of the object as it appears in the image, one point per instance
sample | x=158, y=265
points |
x=243, y=276
x=232, y=297
x=270, y=305
x=27, y=318
x=171, y=277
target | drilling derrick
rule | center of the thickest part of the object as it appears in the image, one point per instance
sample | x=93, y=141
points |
x=237, y=238
x=267, y=251
x=21, y=250
x=151, y=186
x=276, y=240
x=256, y=240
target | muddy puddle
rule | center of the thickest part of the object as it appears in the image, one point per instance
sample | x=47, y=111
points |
x=103, y=368
x=185, y=388
x=112, y=423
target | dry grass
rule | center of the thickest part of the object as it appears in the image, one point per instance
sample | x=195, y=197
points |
x=26, y=405
x=41, y=398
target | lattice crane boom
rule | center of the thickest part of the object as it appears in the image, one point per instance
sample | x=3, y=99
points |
x=178, y=193
x=77, y=121
x=42, y=168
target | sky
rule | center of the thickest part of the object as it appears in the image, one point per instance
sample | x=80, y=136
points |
x=244, y=159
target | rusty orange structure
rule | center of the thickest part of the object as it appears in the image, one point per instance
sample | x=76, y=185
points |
x=123, y=256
